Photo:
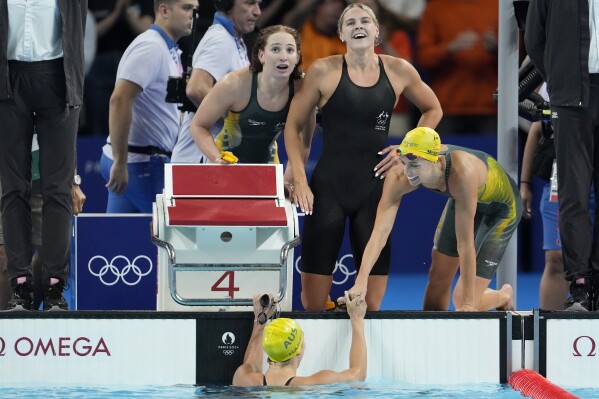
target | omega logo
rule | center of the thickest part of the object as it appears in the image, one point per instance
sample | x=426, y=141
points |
x=591, y=351
x=56, y=346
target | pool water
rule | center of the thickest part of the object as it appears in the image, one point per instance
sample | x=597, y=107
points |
x=374, y=389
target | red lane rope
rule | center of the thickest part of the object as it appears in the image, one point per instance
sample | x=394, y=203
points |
x=534, y=385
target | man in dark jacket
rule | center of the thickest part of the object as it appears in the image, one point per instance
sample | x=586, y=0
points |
x=41, y=85
x=562, y=41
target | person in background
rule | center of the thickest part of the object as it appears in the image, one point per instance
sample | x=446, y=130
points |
x=256, y=101
x=553, y=290
x=562, y=39
x=404, y=14
x=143, y=126
x=117, y=23
x=42, y=67
x=347, y=181
x=35, y=202
x=317, y=22
x=283, y=341
x=272, y=12
x=479, y=219
x=221, y=50
x=459, y=54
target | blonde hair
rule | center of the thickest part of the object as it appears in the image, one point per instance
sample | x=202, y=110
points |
x=364, y=7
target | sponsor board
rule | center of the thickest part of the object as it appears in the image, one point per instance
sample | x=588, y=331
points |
x=571, y=352
x=97, y=351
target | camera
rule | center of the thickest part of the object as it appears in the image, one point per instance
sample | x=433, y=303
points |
x=531, y=106
x=176, y=85
x=175, y=93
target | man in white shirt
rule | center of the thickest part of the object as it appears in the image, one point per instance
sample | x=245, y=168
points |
x=143, y=126
x=220, y=51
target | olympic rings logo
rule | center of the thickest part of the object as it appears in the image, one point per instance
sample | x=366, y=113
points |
x=119, y=268
x=228, y=352
x=340, y=268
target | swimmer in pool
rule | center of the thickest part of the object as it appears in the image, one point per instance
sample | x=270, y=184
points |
x=283, y=341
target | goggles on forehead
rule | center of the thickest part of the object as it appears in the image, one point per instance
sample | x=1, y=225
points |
x=409, y=155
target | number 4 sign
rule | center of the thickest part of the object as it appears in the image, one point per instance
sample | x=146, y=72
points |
x=231, y=289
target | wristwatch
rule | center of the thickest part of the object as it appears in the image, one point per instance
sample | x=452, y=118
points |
x=77, y=180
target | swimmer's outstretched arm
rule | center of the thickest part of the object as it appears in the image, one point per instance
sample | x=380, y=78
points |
x=396, y=186
x=250, y=372
x=358, y=355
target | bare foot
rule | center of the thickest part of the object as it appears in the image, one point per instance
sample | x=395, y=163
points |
x=508, y=291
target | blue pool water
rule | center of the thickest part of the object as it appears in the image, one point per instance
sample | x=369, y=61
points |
x=377, y=389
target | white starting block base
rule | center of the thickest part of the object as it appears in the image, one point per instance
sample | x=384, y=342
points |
x=216, y=257
x=248, y=245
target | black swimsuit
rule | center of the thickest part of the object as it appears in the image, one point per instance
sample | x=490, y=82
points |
x=355, y=123
x=265, y=384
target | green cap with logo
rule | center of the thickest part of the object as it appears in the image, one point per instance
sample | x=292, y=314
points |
x=282, y=339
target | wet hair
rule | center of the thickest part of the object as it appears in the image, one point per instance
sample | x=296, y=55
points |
x=282, y=364
x=255, y=64
x=364, y=7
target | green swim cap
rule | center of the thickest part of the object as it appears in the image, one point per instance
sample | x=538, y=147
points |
x=282, y=339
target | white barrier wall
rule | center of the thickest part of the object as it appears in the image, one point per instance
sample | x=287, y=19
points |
x=570, y=351
x=167, y=348
x=420, y=351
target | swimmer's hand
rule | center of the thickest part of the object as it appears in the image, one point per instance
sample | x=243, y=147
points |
x=302, y=197
x=356, y=305
x=390, y=159
x=359, y=289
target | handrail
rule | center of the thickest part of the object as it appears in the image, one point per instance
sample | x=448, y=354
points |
x=174, y=267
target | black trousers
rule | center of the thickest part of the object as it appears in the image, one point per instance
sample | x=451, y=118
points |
x=39, y=100
x=577, y=149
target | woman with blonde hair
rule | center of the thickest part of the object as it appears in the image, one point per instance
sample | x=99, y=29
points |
x=356, y=93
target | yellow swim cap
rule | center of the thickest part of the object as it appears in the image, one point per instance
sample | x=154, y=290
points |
x=282, y=339
x=423, y=142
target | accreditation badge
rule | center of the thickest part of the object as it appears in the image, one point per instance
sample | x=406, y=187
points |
x=553, y=191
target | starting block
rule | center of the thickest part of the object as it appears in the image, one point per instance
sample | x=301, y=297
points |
x=225, y=233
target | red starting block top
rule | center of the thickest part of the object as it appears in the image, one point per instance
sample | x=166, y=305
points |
x=226, y=212
x=224, y=181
